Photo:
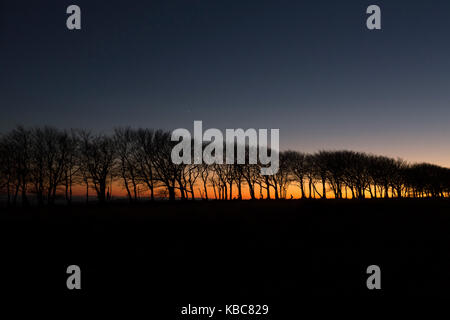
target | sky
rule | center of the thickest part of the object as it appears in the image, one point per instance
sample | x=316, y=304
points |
x=310, y=68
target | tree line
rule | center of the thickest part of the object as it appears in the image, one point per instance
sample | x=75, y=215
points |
x=46, y=164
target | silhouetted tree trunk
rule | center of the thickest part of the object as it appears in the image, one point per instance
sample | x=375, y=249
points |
x=324, y=191
x=171, y=193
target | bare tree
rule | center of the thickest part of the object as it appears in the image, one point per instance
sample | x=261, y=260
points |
x=168, y=173
x=17, y=148
x=297, y=166
x=50, y=150
x=71, y=166
x=145, y=158
x=127, y=164
x=204, y=172
x=98, y=160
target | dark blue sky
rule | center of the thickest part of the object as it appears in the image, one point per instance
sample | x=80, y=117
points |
x=310, y=68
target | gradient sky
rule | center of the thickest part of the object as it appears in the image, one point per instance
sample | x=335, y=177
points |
x=310, y=68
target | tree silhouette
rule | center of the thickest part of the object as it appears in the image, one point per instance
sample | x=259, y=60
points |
x=98, y=157
x=39, y=164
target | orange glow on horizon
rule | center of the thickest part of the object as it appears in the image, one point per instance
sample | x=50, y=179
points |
x=118, y=191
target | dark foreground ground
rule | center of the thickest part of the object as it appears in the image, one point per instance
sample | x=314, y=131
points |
x=227, y=252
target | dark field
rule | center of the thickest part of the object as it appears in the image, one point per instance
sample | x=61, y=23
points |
x=231, y=251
